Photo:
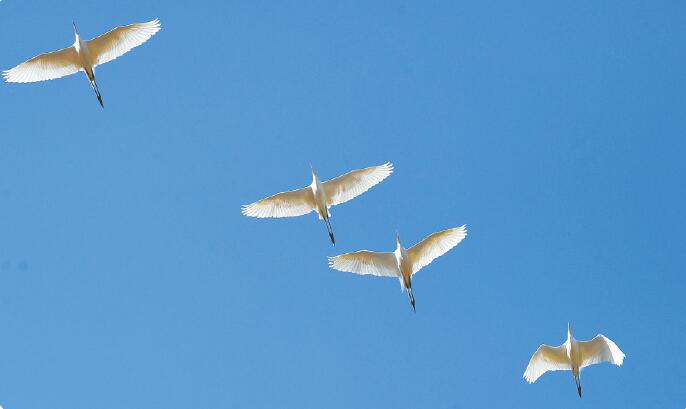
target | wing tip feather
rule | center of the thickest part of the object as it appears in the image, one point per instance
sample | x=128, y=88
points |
x=249, y=211
x=156, y=24
x=616, y=353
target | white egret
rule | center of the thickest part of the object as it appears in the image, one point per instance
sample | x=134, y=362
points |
x=319, y=196
x=572, y=356
x=83, y=55
x=402, y=263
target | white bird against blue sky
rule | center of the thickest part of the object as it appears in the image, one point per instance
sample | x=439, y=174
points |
x=83, y=55
x=402, y=263
x=319, y=196
x=573, y=356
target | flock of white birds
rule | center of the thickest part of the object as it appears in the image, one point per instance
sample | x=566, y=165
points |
x=402, y=263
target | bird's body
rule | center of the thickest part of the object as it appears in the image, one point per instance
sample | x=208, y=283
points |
x=573, y=355
x=401, y=263
x=319, y=196
x=83, y=55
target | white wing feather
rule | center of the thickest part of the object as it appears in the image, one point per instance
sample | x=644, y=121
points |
x=366, y=262
x=285, y=204
x=600, y=349
x=547, y=358
x=352, y=184
x=121, y=40
x=434, y=246
x=44, y=67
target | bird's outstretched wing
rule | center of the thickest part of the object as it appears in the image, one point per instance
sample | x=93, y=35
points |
x=121, y=40
x=285, y=204
x=547, y=358
x=44, y=67
x=435, y=245
x=600, y=349
x=366, y=262
x=352, y=184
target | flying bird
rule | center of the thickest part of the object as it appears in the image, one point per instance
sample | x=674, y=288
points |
x=83, y=55
x=402, y=263
x=572, y=356
x=319, y=196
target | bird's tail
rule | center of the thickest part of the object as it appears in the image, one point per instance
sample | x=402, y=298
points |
x=94, y=84
x=578, y=385
x=330, y=230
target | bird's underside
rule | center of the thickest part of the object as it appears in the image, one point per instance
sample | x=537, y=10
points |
x=401, y=263
x=319, y=196
x=83, y=55
x=585, y=353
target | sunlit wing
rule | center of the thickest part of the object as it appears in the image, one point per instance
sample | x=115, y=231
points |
x=285, y=204
x=366, y=262
x=352, y=184
x=44, y=67
x=121, y=40
x=600, y=349
x=435, y=245
x=547, y=358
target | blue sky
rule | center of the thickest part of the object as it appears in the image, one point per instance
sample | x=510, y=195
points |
x=554, y=130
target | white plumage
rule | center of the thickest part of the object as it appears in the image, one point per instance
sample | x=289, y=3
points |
x=573, y=355
x=319, y=196
x=83, y=55
x=121, y=40
x=49, y=66
x=402, y=263
x=285, y=204
x=364, y=262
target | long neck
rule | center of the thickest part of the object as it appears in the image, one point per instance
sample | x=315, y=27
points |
x=315, y=180
x=399, y=249
x=77, y=41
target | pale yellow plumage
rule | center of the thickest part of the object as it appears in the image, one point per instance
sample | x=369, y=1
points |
x=547, y=358
x=402, y=263
x=434, y=246
x=83, y=55
x=573, y=355
x=285, y=204
x=49, y=66
x=366, y=262
x=352, y=184
x=121, y=40
x=319, y=196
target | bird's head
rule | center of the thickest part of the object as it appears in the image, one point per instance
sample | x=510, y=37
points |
x=569, y=330
x=314, y=172
x=397, y=238
x=76, y=29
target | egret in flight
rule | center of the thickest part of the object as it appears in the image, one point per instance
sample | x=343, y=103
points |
x=83, y=55
x=319, y=196
x=572, y=356
x=402, y=263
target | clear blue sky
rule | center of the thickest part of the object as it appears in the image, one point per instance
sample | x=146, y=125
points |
x=554, y=130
